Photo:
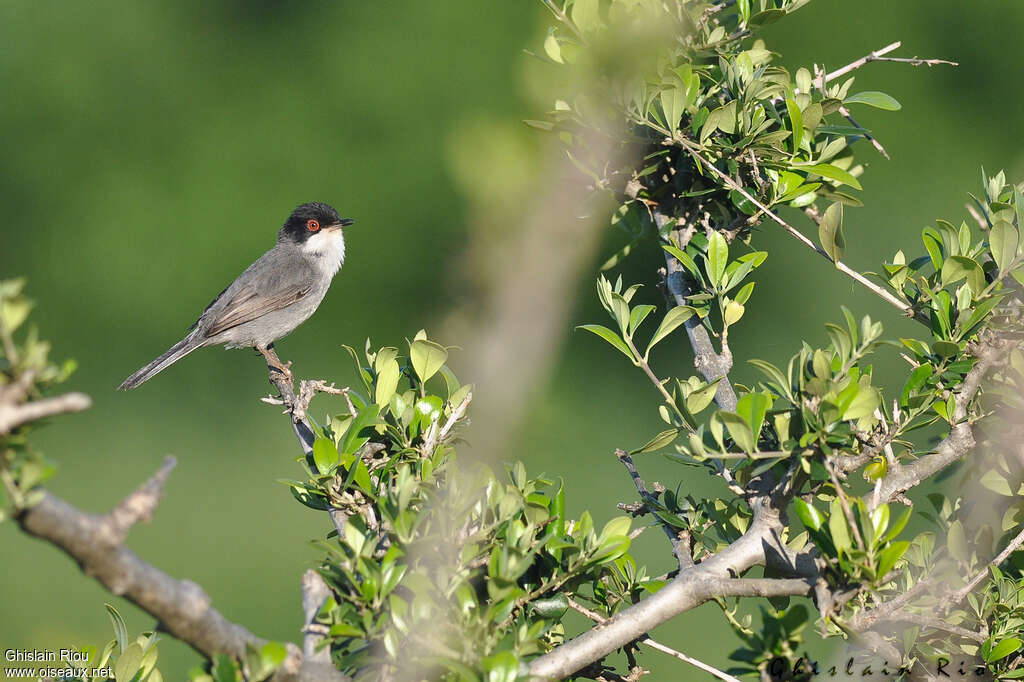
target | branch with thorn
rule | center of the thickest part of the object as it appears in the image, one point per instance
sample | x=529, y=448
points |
x=181, y=607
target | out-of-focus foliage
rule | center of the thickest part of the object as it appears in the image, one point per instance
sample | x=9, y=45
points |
x=25, y=373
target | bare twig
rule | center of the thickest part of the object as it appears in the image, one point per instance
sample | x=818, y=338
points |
x=679, y=548
x=139, y=506
x=876, y=56
x=842, y=267
x=14, y=415
x=845, y=113
x=437, y=433
x=982, y=575
x=844, y=503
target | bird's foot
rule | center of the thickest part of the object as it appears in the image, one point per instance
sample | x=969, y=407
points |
x=275, y=364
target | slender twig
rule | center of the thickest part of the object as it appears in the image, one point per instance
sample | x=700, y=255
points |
x=657, y=646
x=876, y=56
x=679, y=548
x=982, y=575
x=842, y=267
x=845, y=113
x=982, y=223
x=845, y=504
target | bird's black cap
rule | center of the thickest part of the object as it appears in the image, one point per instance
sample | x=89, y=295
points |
x=308, y=219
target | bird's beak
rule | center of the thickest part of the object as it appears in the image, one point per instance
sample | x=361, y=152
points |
x=344, y=222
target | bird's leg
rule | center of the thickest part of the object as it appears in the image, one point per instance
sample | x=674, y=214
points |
x=274, y=362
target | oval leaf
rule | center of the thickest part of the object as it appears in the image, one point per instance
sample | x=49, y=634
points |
x=427, y=358
x=873, y=98
x=830, y=232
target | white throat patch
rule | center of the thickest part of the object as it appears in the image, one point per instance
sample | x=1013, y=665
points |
x=327, y=249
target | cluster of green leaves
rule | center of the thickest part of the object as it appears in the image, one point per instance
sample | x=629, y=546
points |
x=866, y=553
x=778, y=639
x=824, y=408
x=25, y=373
x=709, y=90
x=449, y=571
x=124, y=658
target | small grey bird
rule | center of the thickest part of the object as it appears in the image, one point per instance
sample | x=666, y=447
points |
x=272, y=297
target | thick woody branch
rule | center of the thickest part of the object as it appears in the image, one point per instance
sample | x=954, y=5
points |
x=960, y=440
x=713, y=366
x=658, y=646
x=692, y=587
x=182, y=608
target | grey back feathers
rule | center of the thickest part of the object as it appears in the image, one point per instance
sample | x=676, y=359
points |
x=272, y=296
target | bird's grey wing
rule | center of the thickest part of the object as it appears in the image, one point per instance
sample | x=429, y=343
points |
x=263, y=288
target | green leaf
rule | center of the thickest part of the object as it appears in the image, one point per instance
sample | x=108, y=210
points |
x=673, y=101
x=661, y=440
x=325, y=455
x=1003, y=649
x=880, y=520
x=830, y=232
x=427, y=358
x=673, y=318
x=1003, y=241
x=120, y=631
x=700, y=398
x=753, y=407
x=898, y=525
x=957, y=268
x=685, y=259
x=608, y=335
x=956, y=541
x=838, y=528
x=878, y=100
x=128, y=662
x=586, y=16
x=796, y=123
x=863, y=405
x=552, y=48
x=387, y=381
x=718, y=258
x=740, y=431
x=352, y=440
x=638, y=315
x=995, y=482
x=827, y=170
x=808, y=515
x=888, y=557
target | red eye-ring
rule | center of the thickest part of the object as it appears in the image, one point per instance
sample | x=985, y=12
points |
x=312, y=225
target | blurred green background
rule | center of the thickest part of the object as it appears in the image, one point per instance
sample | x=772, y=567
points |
x=151, y=151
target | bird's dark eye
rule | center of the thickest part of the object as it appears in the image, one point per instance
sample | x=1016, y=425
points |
x=312, y=225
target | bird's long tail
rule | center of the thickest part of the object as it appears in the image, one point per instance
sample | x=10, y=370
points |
x=175, y=353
